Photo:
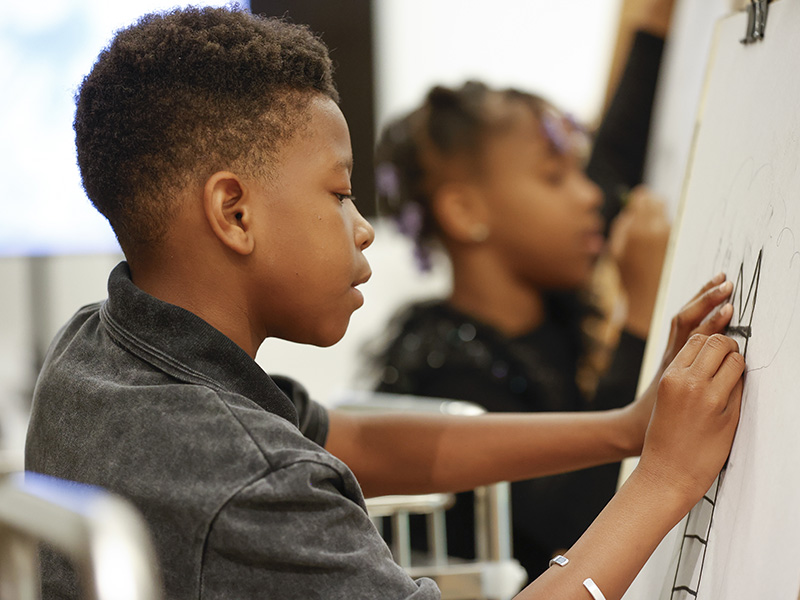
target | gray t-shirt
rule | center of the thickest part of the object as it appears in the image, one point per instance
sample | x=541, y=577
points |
x=226, y=464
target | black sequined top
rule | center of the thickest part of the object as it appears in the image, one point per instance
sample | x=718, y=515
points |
x=441, y=352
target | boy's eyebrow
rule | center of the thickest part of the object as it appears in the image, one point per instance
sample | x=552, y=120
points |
x=344, y=163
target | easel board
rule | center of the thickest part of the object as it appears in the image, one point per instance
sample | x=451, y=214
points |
x=740, y=213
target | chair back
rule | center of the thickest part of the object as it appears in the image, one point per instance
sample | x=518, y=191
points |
x=102, y=536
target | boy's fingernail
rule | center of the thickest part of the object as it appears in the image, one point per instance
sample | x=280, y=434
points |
x=718, y=278
x=726, y=288
x=726, y=310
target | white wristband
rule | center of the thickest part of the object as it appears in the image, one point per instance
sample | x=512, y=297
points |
x=591, y=586
x=559, y=560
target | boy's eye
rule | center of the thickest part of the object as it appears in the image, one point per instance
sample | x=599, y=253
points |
x=343, y=197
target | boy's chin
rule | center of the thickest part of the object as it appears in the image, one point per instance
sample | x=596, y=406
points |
x=325, y=337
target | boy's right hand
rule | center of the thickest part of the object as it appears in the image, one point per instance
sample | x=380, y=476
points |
x=695, y=417
x=706, y=313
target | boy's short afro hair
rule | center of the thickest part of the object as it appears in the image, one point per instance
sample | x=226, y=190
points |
x=180, y=95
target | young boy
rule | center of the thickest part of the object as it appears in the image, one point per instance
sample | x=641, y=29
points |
x=212, y=141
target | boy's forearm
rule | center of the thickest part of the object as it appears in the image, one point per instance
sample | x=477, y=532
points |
x=412, y=453
x=613, y=550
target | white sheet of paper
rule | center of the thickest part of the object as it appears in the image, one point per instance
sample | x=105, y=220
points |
x=742, y=202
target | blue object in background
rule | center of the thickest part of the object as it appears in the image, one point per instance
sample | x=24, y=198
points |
x=46, y=48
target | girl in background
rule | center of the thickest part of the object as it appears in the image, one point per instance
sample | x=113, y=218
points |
x=497, y=179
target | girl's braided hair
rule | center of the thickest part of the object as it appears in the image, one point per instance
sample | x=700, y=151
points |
x=451, y=125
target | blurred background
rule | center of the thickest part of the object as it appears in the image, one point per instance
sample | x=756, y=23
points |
x=56, y=251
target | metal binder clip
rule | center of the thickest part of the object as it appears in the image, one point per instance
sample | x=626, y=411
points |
x=756, y=21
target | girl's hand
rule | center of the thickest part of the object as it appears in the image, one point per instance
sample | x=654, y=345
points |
x=638, y=243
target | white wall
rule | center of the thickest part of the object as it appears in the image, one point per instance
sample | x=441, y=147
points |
x=526, y=43
x=46, y=47
x=64, y=284
x=561, y=49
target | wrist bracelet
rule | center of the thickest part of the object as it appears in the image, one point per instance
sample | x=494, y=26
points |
x=559, y=560
x=590, y=585
x=592, y=588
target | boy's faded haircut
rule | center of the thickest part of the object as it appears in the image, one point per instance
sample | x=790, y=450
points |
x=180, y=95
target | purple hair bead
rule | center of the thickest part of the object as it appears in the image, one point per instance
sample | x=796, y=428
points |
x=409, y=221
x=553, y=125
x=387, y=181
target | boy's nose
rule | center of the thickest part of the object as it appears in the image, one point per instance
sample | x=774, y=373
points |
x=364, y=233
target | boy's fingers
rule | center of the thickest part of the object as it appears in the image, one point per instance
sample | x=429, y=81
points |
x=717, y=320
x=729, y=374
x=687, y=355
x=718, y=279
x=735, y=397
x=715, y=351
x=695, y=311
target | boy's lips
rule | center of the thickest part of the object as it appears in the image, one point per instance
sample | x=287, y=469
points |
x=363, y=278
x=359, y=280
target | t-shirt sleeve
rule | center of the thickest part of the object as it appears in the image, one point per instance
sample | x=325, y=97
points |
x=312, y=417
x=298, y=533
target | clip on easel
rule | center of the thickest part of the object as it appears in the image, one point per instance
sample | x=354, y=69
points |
x=756, y=21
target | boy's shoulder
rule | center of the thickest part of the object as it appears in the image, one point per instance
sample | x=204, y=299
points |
x=116, y=384
x=185, y=429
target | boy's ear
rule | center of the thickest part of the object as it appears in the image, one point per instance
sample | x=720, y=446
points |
x=228, y=206
x=461, y=212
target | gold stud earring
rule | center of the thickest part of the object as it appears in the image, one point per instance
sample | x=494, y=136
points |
x=479, y=233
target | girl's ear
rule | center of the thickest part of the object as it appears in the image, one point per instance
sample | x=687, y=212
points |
x=461, y=212
x=228, y=206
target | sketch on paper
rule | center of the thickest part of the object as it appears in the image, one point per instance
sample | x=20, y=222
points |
x=696, y=532
x=694, y=544
x=741, y=325
x=741, y=215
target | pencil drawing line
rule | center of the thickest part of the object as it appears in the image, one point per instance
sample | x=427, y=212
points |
x=678, y=566
x=744, y=304
x=795, y=254
x=693, y=536
x=711, y=520
x=787, y=328
x=780, y=235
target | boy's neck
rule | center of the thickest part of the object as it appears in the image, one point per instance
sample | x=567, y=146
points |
x=495, y=297
x=201, y=294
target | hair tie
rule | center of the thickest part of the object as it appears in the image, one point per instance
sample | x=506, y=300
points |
x=565, y=133
x=410, y=221
x=387, y=182
x=553, y=125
